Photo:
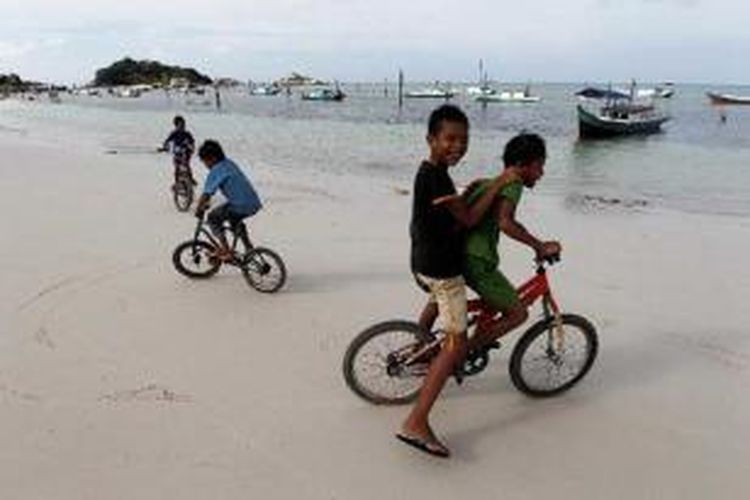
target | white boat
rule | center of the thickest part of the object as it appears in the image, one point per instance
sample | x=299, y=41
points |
x=513, y=96
x=325, y=94
x=129, y=92
x=480, y=90
x=265, y=90
x=722, y=99
x=663, y=92
x=430, y=93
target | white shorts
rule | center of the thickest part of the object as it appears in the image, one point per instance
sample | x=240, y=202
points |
x=450, y=296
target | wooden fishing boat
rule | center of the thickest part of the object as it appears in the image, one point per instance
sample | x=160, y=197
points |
x=619, y=119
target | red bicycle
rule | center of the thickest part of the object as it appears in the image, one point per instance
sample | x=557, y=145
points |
x=385, y=364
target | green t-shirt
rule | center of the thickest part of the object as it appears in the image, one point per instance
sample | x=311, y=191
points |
x=483, y=238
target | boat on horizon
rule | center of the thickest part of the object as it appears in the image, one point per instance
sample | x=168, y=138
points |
x=664, y=91
x=510, y=96
x=434, y=92
x=265, y=90
x=724, y=99
x=324, y=94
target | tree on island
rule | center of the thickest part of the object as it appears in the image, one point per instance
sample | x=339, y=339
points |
x=12, y=83
x=130, y=72
x=297, y=79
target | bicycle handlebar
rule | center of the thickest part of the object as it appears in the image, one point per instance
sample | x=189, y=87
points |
x=548, y=259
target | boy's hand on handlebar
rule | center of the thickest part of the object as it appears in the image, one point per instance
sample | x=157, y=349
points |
x=549, y=251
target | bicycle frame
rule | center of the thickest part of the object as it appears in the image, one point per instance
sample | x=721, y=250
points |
x=528, y=293
x=236, y=232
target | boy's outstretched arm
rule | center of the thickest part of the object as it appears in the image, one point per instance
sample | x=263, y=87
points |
x=165, y=144
x=470, y=215
x=509, y=225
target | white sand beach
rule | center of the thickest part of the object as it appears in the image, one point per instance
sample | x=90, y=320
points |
x=120, y=379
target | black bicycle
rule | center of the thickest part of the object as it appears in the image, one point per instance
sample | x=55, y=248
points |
x=197, y=258
x=182, y=190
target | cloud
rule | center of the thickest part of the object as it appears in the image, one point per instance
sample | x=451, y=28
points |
x=439, y=38
x=14, y=50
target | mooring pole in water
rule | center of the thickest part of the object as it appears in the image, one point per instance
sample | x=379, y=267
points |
x=385, y=88
x=217, y=95
x=400, y=89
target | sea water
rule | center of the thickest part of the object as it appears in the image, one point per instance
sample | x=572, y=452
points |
x=699, y=163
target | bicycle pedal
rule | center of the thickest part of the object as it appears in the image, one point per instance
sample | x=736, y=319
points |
x=495, y=344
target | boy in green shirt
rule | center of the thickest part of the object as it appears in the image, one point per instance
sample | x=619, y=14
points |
x=524, y=159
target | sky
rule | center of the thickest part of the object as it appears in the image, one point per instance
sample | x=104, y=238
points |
x=369, y=40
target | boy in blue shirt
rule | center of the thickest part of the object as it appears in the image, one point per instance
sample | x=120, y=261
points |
x=242, y=200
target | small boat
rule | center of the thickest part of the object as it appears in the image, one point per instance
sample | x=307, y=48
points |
x=665, y=91
x=723, y=99
x=265, y=90
x=619, y=119
x=662, y=92
x=480, y=90
x=324, y=95
x=597, y=93
x=519, y=96
x=430, y=93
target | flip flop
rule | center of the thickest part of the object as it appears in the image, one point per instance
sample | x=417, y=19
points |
x=430, y=447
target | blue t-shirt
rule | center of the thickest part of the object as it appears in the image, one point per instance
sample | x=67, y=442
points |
x=234, y=185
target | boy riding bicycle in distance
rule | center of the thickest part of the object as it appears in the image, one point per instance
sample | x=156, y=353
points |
x=439, y=219
x=242, y=200
x=183, y=146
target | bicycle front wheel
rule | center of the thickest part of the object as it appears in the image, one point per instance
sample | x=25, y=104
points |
x=182, y=195
x=548, y=360
x=379, y=364
x=264, y=270
x=195, y=259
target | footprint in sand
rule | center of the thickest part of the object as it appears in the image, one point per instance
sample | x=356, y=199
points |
x=150, y=392
x=11, y=393
x=41, y=336
x=714, y=351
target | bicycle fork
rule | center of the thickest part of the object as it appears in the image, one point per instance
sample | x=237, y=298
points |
x=551, y=310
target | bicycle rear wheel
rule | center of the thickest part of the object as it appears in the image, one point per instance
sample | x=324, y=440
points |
x=544, y=363
x=182, y=195
x=377, y=367
x=264, y=270
x=194, y=259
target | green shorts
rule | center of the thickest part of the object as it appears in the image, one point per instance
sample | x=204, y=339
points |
x=489, y=283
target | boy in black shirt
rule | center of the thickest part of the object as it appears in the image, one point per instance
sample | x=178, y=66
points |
x=183, y=146
x=439, y=219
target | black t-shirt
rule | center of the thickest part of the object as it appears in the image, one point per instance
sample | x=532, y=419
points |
x=182, y=141
x=436, y=237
